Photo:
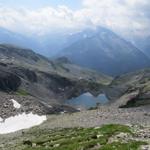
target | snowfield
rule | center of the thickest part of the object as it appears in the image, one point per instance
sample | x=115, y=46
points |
x=15, y=104
x=1, y=120
x=19, y=122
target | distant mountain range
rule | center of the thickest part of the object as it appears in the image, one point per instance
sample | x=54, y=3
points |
x=9, y=37
x=99, y=49
x=48, y=45
x=105, y=51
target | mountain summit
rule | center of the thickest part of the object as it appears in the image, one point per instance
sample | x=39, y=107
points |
x=105, y=51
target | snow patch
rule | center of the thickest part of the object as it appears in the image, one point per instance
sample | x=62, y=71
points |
x=1, y=119
x=15, y=103
x=21, y=121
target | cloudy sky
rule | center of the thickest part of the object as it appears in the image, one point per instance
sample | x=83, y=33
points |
x=128, y=17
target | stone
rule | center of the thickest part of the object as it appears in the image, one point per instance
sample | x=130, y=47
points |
x=56, y=145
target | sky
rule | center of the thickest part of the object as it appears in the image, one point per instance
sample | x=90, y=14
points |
x=35, y=4
x=127, y=17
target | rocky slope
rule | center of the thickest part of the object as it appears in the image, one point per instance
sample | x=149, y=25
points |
x=131, y=89
x=86, y=130
x=40, y=86
x=27, y=75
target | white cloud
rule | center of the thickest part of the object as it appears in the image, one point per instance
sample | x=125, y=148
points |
x=41, y=20
x=124, y=16
x=127, y=16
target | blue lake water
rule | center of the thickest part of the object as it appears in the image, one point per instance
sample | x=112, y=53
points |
x=87, y=100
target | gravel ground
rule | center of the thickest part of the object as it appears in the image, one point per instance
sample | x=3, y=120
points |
x=139, y=116
x=103, y=115
x=94, y=118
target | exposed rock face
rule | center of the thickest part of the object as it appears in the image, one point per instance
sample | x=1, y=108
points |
x=139, y=100
x=25, y=73
x=128, y=84
x=9, y=81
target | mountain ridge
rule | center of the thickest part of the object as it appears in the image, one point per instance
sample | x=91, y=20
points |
x=106, y=52
x=28, y=75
